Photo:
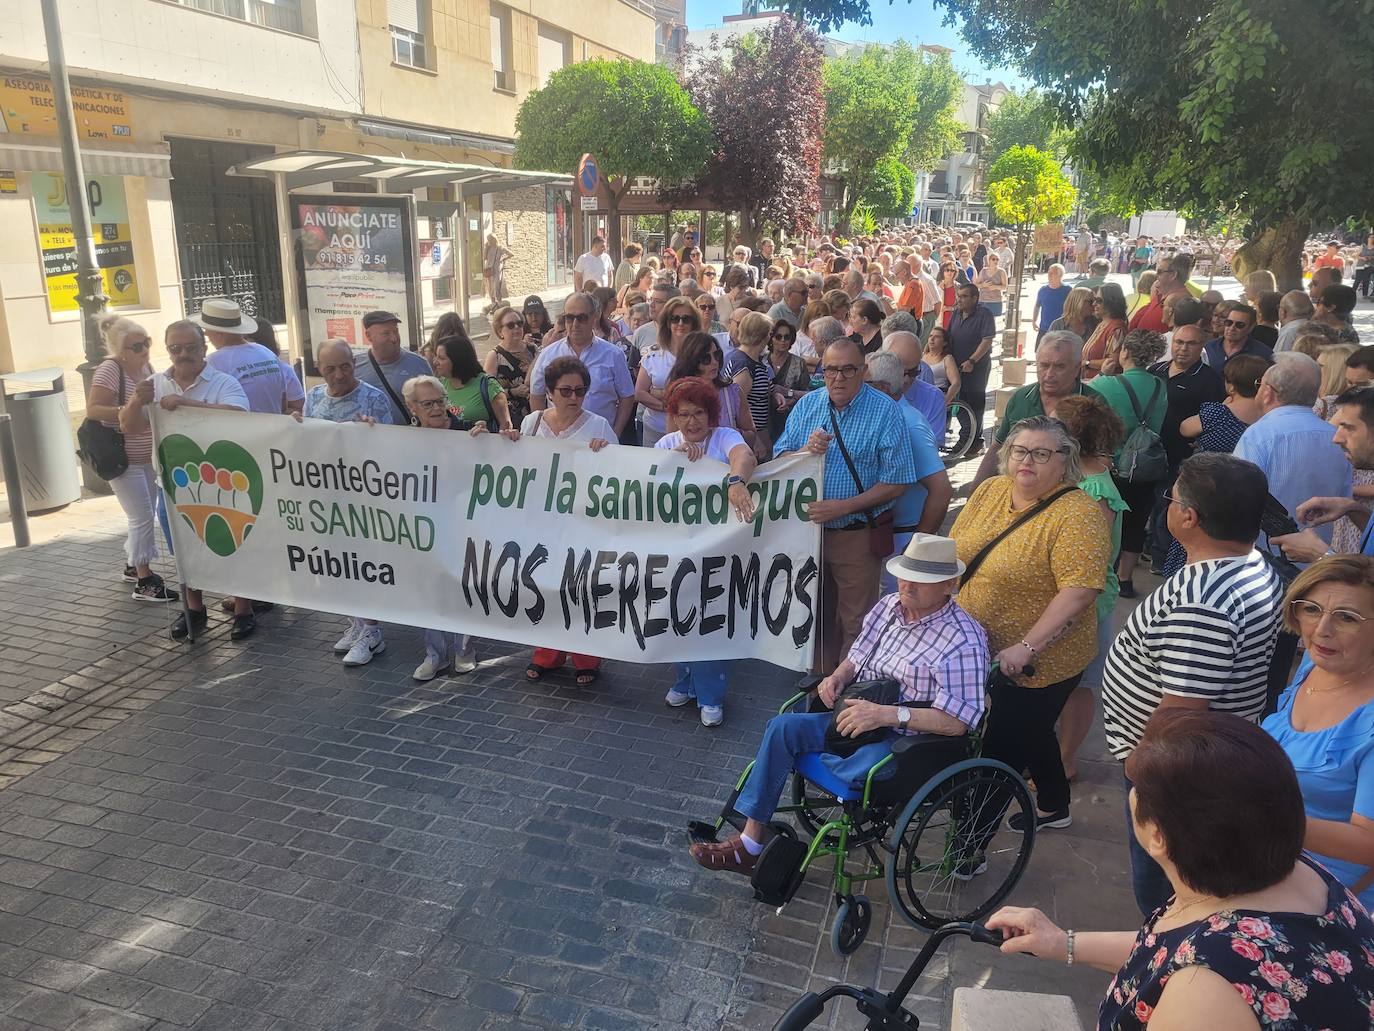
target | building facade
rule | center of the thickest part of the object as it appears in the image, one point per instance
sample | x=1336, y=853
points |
x=953, y=191
x=171, y=94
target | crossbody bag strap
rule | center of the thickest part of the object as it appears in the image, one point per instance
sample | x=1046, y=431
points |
x=1024, y=518
x=877, y=642
x=849, y=462
x=386, y=385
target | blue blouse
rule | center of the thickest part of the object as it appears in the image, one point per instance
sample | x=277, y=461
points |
x=1335, y=767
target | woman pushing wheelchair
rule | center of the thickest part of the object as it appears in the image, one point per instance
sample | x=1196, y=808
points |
x=917, y=668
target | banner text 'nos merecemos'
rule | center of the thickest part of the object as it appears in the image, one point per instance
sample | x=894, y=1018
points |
x=629, y=553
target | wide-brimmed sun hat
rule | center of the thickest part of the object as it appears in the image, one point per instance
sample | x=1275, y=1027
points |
x=928, y=559
x=226, y=316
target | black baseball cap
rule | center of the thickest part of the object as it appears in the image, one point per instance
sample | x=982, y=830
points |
x=379, y=318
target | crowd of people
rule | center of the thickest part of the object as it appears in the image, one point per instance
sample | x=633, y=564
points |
x=1229, y=444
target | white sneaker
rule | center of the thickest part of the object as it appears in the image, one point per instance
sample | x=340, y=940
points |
x=677, y=698
x=464, y=662
x=427, y=670
x=350, y=637
x=368, y=644
x=712, y=715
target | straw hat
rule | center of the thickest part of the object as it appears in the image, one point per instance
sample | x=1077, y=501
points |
x=928, y=559
x=222, y=314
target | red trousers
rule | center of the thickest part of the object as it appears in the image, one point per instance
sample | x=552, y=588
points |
x=547, y=658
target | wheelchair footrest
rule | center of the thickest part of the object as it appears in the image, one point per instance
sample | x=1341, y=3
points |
x=778, y=873
x=701, y=830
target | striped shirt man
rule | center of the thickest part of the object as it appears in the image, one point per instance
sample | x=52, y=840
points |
x=1207, y=632
x=941, y=659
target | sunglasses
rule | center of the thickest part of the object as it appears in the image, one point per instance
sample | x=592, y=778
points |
x=512, y=325
x=1242, y=324
x=781, y=334
x=706, y=307
x=137, y=346
x=577, y=316
x=571, y=391
x=682, y=320
x=176, y=349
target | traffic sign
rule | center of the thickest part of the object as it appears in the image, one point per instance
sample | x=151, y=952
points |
x=588, y=175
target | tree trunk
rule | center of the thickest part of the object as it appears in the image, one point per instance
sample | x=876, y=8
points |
x=747, y=228
x=613, y=196
x=1277, y=248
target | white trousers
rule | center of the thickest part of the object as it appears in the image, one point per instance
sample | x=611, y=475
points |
x=136, y=490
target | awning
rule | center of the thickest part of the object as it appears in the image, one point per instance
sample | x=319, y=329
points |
x=302, y=169
x=98, y=157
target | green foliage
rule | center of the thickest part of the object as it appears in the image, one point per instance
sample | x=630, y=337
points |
x=1023, y=121
x=888, y=103
x=862, y=221
x=634, y=117
x=890, y=190
x=1026, y=187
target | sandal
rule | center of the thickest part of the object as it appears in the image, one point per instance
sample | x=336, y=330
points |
x=723, y=855
x=534, y=673
x=586, y=677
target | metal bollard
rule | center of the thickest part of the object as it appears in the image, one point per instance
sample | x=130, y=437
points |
x=9, y=458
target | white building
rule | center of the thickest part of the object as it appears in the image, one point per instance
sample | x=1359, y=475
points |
x=953, y=190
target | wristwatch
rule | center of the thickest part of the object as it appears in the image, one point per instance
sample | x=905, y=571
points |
x=903, y=717
x=734, y=480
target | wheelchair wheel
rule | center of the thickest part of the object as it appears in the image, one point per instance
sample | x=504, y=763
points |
x=959, y=429
x=954, y=854
x=816, y=807
x=852, y=918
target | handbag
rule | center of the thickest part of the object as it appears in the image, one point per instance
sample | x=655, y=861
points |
x=882, y=691
x=881, y=542
x=1021, y=520
x=102, y=447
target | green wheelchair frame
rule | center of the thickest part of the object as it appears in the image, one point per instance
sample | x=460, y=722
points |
x=862, y=823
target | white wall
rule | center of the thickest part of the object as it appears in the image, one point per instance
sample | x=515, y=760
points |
x=162, y=43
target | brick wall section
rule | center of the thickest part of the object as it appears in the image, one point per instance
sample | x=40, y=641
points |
x=523, y=210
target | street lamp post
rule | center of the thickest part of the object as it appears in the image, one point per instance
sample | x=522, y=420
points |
x=90, y=295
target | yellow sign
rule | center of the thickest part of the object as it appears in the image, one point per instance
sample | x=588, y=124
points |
x=27, y=109
x=1049, y=238
x=8, y=183
x=114, y=249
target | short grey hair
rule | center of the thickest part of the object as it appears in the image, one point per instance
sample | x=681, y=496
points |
x=333, y=342
x=1297, y=303
x=1063, y=340
x=814, y=279
x=411, y=385
x=853, y=277
x=590, y=299
x=885, y=371
x=641, y=311
x=1065, y=444
x=825, y=331
x=774, y=289
x=900, y=321
x=1295, y=379
x=1145, y=346
x=690, y=289
x=1100, y=265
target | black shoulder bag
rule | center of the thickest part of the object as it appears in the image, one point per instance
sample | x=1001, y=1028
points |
x=882, y=691
x=880, y=532
x=1019, y=521
x=386, y=385
x=102, y=446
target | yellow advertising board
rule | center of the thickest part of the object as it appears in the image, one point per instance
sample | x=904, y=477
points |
x=114, y=249
x=27, y=109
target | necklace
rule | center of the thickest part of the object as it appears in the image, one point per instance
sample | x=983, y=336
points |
x=1308, y=689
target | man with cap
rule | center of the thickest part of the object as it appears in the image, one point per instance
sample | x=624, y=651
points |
x=272, y=388
x=919, y=637
x=385, y=364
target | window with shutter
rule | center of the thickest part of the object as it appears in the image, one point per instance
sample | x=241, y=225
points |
x=409, y=22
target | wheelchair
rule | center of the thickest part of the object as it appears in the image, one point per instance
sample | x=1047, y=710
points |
x=950, y=831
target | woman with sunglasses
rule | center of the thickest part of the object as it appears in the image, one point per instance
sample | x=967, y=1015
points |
x=136, y=488
x=1325, y=720
x=568, y=381
x=510, y=359
x=678, y=319
x=701, y=357
x=1101, y=352
x=791, y=377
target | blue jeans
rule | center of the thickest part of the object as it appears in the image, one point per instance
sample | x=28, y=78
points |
x=1152, y=889
x=785, y=738
x=704, y=681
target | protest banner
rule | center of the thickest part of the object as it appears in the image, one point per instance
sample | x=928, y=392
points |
x=629, y=553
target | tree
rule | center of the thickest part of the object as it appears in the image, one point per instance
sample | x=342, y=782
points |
x=633, y=117
x=1023, y=120
x=887, y=103
x=765, y=162
x=1026, y=187
x=890, y=190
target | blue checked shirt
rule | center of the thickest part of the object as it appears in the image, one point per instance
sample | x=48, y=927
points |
x=873, y=431
x=941, y=659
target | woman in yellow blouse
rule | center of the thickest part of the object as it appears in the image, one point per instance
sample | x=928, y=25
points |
x=1034, y=592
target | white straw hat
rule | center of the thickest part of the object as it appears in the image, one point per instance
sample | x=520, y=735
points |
x=226, y=316
x=928, y=559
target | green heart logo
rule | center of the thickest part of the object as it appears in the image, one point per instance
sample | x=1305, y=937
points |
x=218, y=491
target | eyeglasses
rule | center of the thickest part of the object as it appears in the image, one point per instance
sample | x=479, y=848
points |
x=1174, y=500
x=176, y=349
x=1344, y=621
x=912, y=372
x=1242, y=324
x=571, y=391
x=682, y=320
x=782, y=334
x=839, y=371
x=577, y=316
x=432, y=403
x=1038, y=455
x=136, y=345
x=512, y=325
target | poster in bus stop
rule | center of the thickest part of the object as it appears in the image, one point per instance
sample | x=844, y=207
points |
x=114, y=248
x=354, y=255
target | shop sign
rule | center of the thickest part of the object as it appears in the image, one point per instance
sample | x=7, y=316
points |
x=8, y=182
x=436, y=259
x=27, y=109
x=114, y=249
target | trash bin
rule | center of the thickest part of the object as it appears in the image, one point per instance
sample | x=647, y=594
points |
x=37, y=404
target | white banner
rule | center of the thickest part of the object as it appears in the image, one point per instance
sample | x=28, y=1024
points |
x=631, y=553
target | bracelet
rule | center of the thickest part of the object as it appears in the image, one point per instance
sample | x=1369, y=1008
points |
x=1069, y=950
x=1030, y=648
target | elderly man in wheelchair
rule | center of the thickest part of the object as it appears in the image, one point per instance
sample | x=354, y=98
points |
x=890, y=762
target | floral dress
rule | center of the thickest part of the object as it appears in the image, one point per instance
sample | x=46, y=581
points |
x=1293, y=970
